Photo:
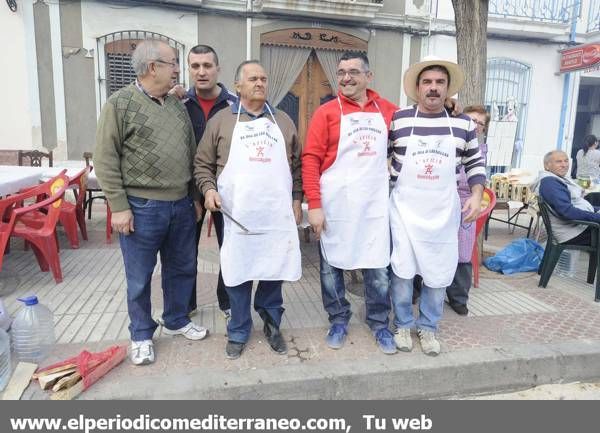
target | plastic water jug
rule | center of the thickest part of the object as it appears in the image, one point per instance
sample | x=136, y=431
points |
x=567, y=263
x=32, y=331
x=4, y=359
x=4, y=317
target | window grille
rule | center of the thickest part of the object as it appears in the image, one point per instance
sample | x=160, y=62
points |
x=507, y=91
x=553, y=11
x=594, y=17
x=114, y=58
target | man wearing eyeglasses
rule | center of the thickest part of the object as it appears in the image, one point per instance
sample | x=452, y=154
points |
x=345, y=178
x=144, y=151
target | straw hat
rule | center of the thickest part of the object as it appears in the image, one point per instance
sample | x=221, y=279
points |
x=457, y=76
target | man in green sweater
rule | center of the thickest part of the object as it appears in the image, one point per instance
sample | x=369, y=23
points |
x=143, y=159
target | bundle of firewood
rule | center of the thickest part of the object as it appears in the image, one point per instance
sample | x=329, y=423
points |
x=69, y=378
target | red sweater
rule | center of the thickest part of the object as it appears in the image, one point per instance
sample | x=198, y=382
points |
x=321, y=144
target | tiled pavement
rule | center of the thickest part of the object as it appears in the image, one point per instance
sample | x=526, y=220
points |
x=90, y=311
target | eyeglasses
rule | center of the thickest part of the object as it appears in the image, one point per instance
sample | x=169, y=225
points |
x=171, y=64
x=352, y=72
x=477, y=122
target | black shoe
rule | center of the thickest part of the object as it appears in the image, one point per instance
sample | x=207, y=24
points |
x=233, y=350
x=460, y=309
x=275, y=338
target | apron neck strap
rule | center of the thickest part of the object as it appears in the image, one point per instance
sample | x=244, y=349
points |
x=268, y=108
x=447, y=119
x=342, y=110
x=272, y=115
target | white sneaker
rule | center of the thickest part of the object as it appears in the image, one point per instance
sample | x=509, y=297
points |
x=429, y=343
x=403, y=339
x=142, y=352
x=191, y=331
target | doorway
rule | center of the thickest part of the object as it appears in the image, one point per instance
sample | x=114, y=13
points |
x=310, y=90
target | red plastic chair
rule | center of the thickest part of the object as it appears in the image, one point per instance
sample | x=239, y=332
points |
x=71, y=214
x=490, y=197
x=42, y=239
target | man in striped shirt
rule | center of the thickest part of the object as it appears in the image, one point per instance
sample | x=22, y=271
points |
x=428, y=148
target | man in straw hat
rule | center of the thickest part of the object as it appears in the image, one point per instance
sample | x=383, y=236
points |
x=425, y=213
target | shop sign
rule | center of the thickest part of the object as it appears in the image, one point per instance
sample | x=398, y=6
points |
x=579, y=57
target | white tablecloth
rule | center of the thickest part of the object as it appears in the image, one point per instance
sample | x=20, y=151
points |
x=13, y=178
x=73, y=167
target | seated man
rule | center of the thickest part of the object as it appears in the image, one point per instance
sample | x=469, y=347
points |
x=565, y=198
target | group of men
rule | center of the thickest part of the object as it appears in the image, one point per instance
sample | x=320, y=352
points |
x=162, y=167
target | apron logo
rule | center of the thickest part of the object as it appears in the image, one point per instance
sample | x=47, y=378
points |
x=249, y=128
x=366, y=149
x=259, y=154
x=428, y=173
x=421, y=143
x=354, y=121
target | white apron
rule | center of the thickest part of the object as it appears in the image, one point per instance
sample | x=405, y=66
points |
x=354, y=195
x=425, y=211
x=256, y=187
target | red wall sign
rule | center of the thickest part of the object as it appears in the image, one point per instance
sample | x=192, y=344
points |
x=579, y=57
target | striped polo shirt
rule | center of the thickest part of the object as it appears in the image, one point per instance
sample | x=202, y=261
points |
x=437, y=125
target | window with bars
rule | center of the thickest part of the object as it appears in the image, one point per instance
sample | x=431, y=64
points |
x=119, y=71
x=507, y=98
x=116, y=71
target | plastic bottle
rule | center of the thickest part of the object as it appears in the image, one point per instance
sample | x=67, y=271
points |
x=5, y=369
x=4, y=317
x=32, y=331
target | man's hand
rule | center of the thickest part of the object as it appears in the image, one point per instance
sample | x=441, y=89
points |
x=178, y=91
x=199, y=210
x=472, y=206
x=316, y=219
x=454, y=105
x=212, y=200
x=122, y=222
x=297, y=208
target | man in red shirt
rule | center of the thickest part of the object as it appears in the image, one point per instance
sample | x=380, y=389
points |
x=205, y=98
x=345, y=178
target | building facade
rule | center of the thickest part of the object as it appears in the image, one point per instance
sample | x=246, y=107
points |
x=66, y=57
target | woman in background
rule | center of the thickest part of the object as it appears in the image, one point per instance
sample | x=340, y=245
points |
x=458, y=291
x=588, y=158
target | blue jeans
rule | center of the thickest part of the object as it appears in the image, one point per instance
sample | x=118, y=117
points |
x=267, y=303
x=377, y=301
x=431, y=304
x=165, y=227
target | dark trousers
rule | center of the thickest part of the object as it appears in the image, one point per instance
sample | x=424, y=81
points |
x=458, y=290
x=268, y=302
x=583, y=238
x=222, y=296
